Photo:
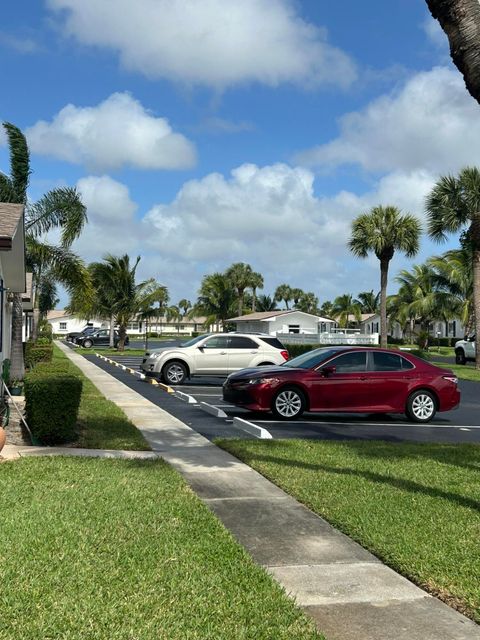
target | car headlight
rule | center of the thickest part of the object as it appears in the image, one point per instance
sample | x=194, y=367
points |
x=263, y=381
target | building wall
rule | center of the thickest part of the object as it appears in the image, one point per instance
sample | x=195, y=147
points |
x=291, y=323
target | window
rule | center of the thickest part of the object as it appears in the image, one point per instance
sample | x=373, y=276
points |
x=390, y=362
x=132, y=326
x=217, y=342
x=63, y=326
x=273, y=342
x=350, y=362
x=237, y=342
x=293, y=328
x=103, y=333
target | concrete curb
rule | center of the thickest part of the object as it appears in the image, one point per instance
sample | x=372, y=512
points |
x=253, y=429
x=212, y=410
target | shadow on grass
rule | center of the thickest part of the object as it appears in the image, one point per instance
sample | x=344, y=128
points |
x=378, y=478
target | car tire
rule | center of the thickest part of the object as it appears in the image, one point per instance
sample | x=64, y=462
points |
x=460, y=357
x=288, y=403
x=88, y=344
x=421, y=406
x=174, y=372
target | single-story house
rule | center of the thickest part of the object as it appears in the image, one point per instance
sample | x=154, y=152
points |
x=12, y=268
x=437, y=328
x=283, y=322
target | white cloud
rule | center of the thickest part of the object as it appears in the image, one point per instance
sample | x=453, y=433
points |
x=217, y=43
x=435, y=33
x=431, y=124
x=20, y=44
x=117, y=132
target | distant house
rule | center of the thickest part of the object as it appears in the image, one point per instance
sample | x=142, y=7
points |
x=283, y=322
x=63, y=322
x=12, y=268
x=437, y=329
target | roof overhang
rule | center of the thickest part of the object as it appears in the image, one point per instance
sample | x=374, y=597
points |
x=27, y=297
x=13, y=259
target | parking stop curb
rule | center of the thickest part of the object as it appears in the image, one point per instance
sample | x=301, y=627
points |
x=253, y=429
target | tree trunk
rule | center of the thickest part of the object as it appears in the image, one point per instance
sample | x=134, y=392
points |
x=17, y=368
x=383, y=302
x=240, y=302
x=460, y=19
x=122, y=331
x=112, y=332
x=475, y=233
x=35, y=322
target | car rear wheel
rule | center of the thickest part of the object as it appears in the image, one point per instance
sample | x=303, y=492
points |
x=174, y=372
x=421, y=406
x=88, y=344
x=288, y=403
x=460, y=357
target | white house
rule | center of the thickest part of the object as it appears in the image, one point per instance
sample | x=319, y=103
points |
x=437, y=328
x=283, y=322
x=12, y=268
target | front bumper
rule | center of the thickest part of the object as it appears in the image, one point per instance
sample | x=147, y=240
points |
x=245, y=395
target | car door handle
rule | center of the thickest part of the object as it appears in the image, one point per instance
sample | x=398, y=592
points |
x=223, y=353
x=253, y=351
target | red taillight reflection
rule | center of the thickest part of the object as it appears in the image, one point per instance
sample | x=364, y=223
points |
x=285, y=354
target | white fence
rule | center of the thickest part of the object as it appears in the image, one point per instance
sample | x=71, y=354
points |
x=329, y=338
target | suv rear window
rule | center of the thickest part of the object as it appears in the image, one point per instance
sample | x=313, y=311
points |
x=273, y=342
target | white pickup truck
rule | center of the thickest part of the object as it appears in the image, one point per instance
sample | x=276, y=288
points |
x=465, y=350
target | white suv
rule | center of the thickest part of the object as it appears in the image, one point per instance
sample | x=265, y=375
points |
x=465, y=350
x=217, y=354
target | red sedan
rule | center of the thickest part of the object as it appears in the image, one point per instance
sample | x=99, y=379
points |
x=346, y=379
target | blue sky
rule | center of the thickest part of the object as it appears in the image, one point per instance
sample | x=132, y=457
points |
x=206, y=132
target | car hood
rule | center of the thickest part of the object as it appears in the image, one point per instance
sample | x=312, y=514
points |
x=161, y=350
x=261, y=372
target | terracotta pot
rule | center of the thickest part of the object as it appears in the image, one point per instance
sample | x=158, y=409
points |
x=3, y=437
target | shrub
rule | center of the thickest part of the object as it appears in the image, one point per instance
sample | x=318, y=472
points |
x=297, y=349
x=52, y=399
x=152, y=334
x=392, y=340
x=35, y=353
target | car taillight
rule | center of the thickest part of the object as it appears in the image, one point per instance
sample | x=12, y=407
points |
x=285, y=354
x=453, y=379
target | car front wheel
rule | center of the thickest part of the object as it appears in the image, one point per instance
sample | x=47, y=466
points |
x=288, y=403
x=460, y=357
x=174, y=373
x=421, y=406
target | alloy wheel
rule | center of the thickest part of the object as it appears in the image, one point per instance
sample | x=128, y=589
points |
x=175, y=373
x=288, y=403
x=423, y=406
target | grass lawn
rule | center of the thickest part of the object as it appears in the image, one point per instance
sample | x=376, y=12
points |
x=102, y=424
x=465, y=372
x=415, y=506
x=123, y=550
x=109, y=352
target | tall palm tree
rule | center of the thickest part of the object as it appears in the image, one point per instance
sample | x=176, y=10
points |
x=296, y=294
x=216, y=299
x=344, y=308
x=452, y=205
x=173, y=313
x=283, y=292
x=240, y=276
x=328, y=309
x=256, y=282
x=384, y=230
x=58, y=209
x=185, y=305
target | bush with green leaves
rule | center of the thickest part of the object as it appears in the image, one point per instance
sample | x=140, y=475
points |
x=52, y=400
x=35, y=353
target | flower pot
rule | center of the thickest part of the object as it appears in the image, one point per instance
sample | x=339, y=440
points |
x=15, y=391
x=3, y=437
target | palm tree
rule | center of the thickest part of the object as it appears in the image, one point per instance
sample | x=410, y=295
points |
x=174, y=313
x=58, y=209
x=216, y=299
x=296, y=294
x=256, y=282
x=369, y=301
x=283, y=292
x=266, y=303
x=240, y=276
x=327, y=309
x=185, y=305
x=453, y=204
x=384, y=230
x=308, y=302
x=345, y=307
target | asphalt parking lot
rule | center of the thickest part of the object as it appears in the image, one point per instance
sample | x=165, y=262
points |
x=461, y=425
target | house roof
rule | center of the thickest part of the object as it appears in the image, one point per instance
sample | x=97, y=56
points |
x=267, y=315
x=10, y=216
x=28, y=295
x=55, y=314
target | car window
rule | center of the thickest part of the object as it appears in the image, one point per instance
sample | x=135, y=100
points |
x=273, y=342
x=216, y=342
x=102, y=333
x=390, y=362
x=351, y=362
x=310, y=359
x=238, y=342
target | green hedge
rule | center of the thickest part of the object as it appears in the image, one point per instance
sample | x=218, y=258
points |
x=35, y=353
x=52, y=400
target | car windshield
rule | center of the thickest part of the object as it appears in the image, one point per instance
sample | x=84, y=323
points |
x=193, y=341
x=310, y=359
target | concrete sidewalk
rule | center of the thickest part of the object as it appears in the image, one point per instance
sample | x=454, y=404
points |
x=348, y=592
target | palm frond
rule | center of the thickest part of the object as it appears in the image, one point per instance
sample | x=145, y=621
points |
x=19, y=162
x=62, y=208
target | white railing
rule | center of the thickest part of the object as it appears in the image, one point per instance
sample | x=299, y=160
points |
x=329, y=338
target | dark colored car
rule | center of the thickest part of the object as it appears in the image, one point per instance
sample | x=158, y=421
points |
x=73, y=336
x=100, y=337
x=346, y=379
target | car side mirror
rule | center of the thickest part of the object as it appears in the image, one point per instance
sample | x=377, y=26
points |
x=328, y=371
